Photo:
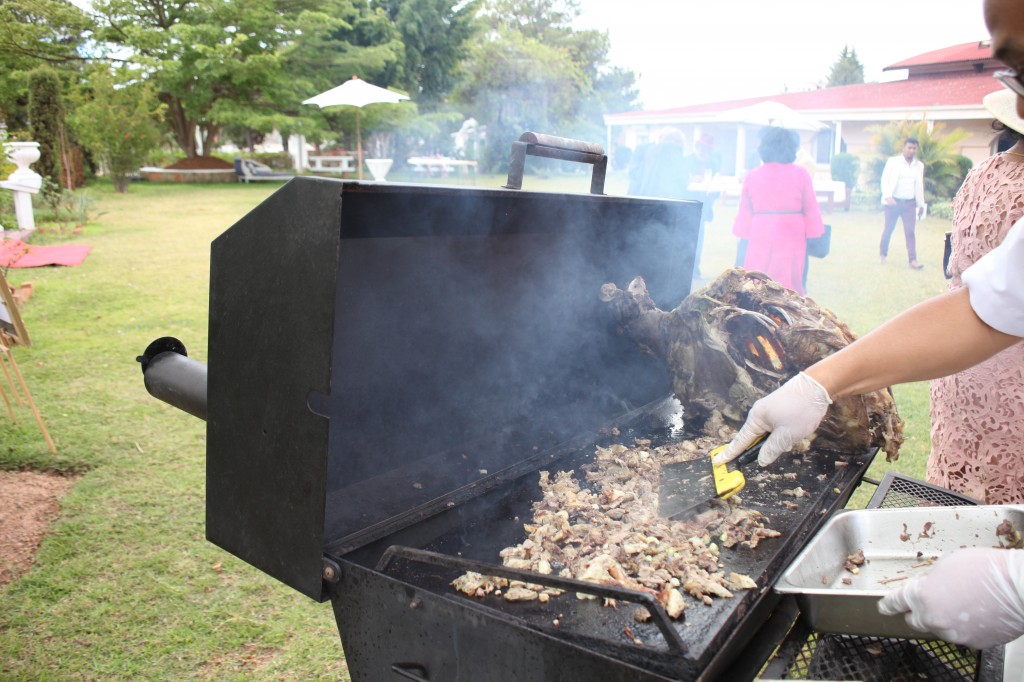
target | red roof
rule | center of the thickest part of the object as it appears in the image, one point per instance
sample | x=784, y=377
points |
x=967, y=52
x=956, y=89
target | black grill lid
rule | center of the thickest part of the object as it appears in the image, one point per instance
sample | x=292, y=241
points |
x=379, y=352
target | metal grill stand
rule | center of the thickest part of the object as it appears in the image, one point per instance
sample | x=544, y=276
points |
x=809, y=655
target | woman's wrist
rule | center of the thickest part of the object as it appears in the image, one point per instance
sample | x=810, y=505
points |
x=821, y=373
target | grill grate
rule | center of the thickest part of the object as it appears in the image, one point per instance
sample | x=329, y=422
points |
x=808, y=655
x=898, y=491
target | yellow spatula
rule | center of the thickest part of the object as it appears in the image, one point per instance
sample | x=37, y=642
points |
x=688, y=487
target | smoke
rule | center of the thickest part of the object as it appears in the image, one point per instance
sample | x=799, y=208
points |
x=469, y=336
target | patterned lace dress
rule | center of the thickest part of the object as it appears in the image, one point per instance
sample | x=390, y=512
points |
x=978, y=415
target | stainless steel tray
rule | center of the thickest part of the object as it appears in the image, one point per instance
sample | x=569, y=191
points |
x=898, y=545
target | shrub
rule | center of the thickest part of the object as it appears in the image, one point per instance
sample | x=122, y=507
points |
x=119, y=123
x=866, y=201
x=7, y=217
x=941, y=209
x=276, y=160
x=6, y=167
x=66, y=211
x=845, y=168
x=965, y=165
x=162, y=156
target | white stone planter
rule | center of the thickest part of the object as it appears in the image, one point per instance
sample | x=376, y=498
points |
x=24, y=182
x=22, y=153
x=379, y=168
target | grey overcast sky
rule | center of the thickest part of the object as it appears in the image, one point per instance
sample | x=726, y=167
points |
x=688, y=51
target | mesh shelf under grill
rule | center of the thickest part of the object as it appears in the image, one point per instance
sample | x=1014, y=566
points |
x=810, y=655
x=900, y=491
x=876, y=659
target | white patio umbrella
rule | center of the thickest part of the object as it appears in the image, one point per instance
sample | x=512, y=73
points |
x=771, y=113
x=356, y=93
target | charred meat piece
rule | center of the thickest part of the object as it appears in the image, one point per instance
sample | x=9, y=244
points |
x=740, y=338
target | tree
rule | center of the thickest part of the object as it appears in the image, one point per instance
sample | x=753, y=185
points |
x=36, y=32
x=515, y=84
x=533, y=71
x=365, y=44
x=847, y=70
x=938, y=152
x=216, y=63
x=46, y=116
x=435, y=34
x=118, y=119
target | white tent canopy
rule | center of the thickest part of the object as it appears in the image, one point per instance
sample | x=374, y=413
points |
x=771, y=113
x=356, y=93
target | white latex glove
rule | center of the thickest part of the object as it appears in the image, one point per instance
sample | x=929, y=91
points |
x=971, y=597
x=791, y=413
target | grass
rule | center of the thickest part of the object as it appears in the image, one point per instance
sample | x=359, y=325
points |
x=125, y=586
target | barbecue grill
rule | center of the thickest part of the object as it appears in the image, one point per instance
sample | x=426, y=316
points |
x=391, y=365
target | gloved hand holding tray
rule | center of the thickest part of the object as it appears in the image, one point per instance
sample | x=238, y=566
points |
x=860, y=555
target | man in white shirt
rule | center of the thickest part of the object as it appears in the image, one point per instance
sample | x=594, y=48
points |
x=903, y=198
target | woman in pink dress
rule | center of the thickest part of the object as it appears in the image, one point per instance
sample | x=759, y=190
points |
x=978, y=414
x=778, y=211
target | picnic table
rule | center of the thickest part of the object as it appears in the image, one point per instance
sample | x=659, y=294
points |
x=831, y=193
x=332, y=163
x=726, y=186
x=442, y=165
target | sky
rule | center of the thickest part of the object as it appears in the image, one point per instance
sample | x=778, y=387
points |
x=694, y=51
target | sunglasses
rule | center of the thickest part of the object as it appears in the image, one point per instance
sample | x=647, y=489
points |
x=1011, y=80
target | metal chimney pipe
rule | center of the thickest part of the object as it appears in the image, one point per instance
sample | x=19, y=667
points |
x=173, y=377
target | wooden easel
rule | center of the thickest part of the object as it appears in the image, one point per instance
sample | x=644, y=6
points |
x=13, y=333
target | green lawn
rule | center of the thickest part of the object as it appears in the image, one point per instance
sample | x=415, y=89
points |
x=126, y=587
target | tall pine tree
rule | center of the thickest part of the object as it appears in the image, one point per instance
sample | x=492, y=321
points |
x=847, y=70
x=46, y=114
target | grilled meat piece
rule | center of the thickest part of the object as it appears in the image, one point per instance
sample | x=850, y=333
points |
x=1009, y=537
x=474, y=584
x=606, y=530
x=738, y=339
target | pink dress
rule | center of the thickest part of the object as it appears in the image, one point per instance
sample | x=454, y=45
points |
x=978, y=414
x=778, y=212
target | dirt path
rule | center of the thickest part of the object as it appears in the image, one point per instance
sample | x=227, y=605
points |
x=29, y=503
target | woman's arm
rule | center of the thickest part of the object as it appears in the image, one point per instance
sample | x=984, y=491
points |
x=941, y=336
x=938, y=337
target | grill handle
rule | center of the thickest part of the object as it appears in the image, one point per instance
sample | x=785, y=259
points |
x=171, y=376
x=661, y=619
x=552, y=147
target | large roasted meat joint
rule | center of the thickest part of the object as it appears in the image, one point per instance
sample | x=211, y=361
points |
x=740, y=338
